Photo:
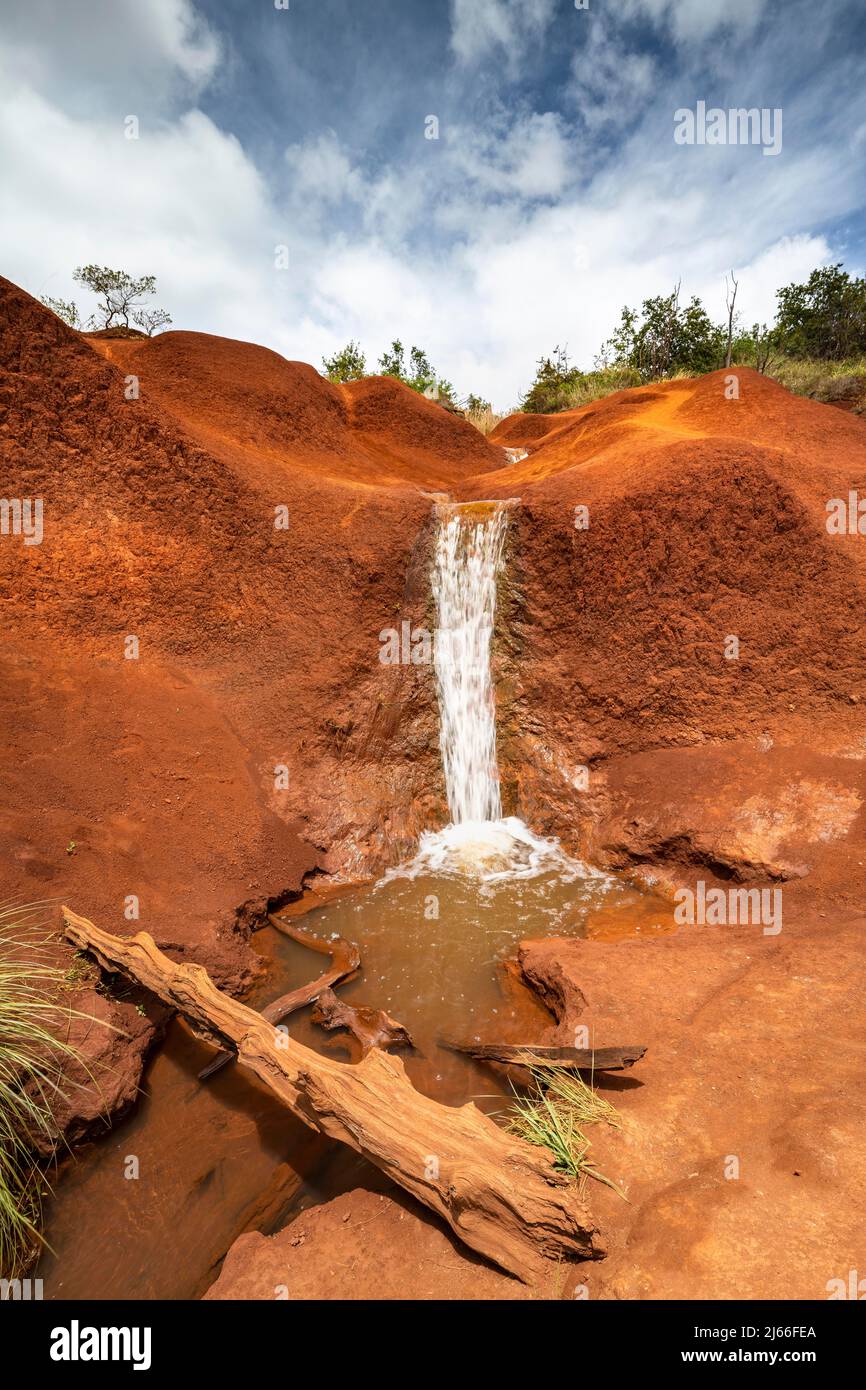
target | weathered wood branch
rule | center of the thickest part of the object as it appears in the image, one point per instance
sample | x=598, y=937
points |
x=369, y=1027
x=500, y=1196
x=345, y=960
x=576, y=1058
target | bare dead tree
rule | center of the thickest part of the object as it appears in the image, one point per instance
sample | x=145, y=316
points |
x=765, y=345
x=730, y=301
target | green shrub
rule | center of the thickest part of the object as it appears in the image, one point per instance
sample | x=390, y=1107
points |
x=349, y=364
x=65, y=309
x=558, y=386
x=419, y=374
x=664, y=338
x=823, y=318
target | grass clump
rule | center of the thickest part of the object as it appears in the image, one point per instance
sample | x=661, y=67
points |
x=33, y=1058
x=482, y=416
x=592, y=386
x=555, y=1114
x=830, y=382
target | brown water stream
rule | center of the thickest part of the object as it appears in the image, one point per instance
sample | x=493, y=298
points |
x=215, y=1160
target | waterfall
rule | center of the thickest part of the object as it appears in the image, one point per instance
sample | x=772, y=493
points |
x=479, y=841
x=466, y=563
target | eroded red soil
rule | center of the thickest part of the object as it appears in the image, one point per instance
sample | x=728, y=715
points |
x=258, y=650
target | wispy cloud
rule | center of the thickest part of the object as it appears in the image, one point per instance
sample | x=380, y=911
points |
x=694, y=21
x=481, y=28
x=611, y=81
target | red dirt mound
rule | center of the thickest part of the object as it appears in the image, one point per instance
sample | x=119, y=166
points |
x=244, y=402
x=742, y=1148
x=361, y=1245
x=706, y=520
x=521, y=431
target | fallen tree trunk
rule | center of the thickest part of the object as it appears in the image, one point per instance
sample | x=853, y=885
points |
x=576, y=1058
x=500, y=1196
x=345, y=960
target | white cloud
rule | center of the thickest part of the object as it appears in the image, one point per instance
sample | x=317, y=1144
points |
x=524, y=155
x=182, y=202
x=110, y=54
x=480, y=27
x=694, y=21
x=610, y=82
x=788, y=260
x=319, y=168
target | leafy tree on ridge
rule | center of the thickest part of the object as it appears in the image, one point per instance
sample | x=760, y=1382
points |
x=120, y=296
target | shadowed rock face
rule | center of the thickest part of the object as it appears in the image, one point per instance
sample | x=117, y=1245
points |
x=362, y=1245
x=111, y=1039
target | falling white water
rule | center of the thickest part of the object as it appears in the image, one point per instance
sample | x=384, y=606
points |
x=479, y=841
x=465, y=568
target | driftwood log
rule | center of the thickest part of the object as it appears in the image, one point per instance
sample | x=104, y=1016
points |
x=369, y=1027
x=575, y=1058
x=345, y=960
x=501, y=1196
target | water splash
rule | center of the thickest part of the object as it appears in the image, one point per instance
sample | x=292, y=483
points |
x=494, y=851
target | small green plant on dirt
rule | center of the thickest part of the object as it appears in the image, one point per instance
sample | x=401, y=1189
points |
x=33, y=1059
x=554, y=1115
x=81, y=973
x=65, y=309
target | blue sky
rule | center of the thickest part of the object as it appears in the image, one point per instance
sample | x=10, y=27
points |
x=554, y=194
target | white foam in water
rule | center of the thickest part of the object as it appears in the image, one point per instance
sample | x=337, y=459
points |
x=493, y=851
x=479, y=841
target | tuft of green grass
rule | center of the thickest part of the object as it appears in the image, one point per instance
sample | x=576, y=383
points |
x=33, y=1059
x=554, y=1115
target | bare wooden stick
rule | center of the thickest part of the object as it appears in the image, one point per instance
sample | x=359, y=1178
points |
x=500, y=1196
x=345, y=960
x=369, y=1027
x=576, y=1058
